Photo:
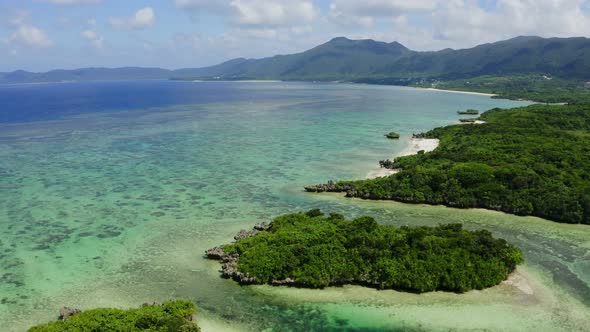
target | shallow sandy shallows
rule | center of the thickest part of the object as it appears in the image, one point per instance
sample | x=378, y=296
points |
x=414, y=145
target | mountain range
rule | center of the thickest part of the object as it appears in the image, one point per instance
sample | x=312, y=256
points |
x=343, y=59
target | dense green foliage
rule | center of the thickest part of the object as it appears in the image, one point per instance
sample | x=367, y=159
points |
x=171, y=316
x=538, y=87
x=527, y=161
x=392, y=134
x=317, y=251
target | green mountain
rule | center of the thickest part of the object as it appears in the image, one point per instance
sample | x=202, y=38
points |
x=340, y=58
x=345, y=59
x=369, y=61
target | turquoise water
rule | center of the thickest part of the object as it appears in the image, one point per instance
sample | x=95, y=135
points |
x=111, y=198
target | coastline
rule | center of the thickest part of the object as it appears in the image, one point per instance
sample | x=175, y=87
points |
x=239, y=81
x=477, y=122
x=463, y=92
x=413, y=146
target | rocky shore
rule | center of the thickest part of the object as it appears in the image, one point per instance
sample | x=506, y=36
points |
x=352, y=192
x=66, y=312
x=331, y=186
x=229, y=261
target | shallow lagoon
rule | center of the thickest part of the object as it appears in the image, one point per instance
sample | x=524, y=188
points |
x=111, y=197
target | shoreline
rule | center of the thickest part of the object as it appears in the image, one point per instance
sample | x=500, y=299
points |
x=238, y=81
x=413, y=146
x=462, y=92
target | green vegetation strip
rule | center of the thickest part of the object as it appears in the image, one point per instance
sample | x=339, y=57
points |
x=170, y=316
x=314, y=250
x=534, y=87
x=526, y=161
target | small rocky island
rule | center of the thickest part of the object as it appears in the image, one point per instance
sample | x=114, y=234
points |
x=315, y=250
x=392, y=135
x=469, y=112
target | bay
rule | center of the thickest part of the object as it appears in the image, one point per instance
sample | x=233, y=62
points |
x=111, y=191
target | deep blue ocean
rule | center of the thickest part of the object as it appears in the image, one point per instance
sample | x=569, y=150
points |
x=49, y=101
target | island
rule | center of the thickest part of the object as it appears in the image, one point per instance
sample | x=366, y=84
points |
x=525, y=161
x=170, y=316
x=392, y=135
x=468, y=112
x=315, y=250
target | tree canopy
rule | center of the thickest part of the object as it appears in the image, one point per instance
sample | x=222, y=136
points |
x=526, y=161
x=171, y=316
x=316, y=250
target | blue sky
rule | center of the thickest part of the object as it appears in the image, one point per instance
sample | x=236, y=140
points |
x=39, y=35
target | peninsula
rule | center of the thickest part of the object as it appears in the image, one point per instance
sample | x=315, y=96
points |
x=524, y=161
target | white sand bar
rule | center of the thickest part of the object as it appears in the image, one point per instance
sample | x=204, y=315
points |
x=414, y=145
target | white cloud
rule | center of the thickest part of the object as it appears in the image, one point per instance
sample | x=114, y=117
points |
x=364, y=13
x=464, y=23
x=436, y=24
x=257, y=14
x=18, y=18
x=142, y=18
x=89, y=34
x=273, y=13
x=24, y=33
x=376, y=8
x=30, y=36
x=203, y=5
x=71, y=2
x=94, y=38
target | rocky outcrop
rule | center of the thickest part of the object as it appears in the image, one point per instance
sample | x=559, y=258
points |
x=229, y=261
x=331, y=186
x=263, y=226
x=388, y=164
x=288, y=281
x=468, y=112
x=392, y=135
x=216, y=253
x=66, y=312
x=229, y=264
x=244, y=234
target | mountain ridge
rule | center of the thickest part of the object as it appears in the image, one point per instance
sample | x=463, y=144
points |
x=344, y=59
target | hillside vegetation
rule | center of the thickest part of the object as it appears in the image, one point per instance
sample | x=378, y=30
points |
x=526, y=161
x=540, y=88
x=371, y=61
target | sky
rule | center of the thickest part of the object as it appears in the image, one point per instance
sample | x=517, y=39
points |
x=40, y=35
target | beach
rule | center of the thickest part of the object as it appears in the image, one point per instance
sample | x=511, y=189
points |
x=463, y=92
x=474, y=122
x=413, y=146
